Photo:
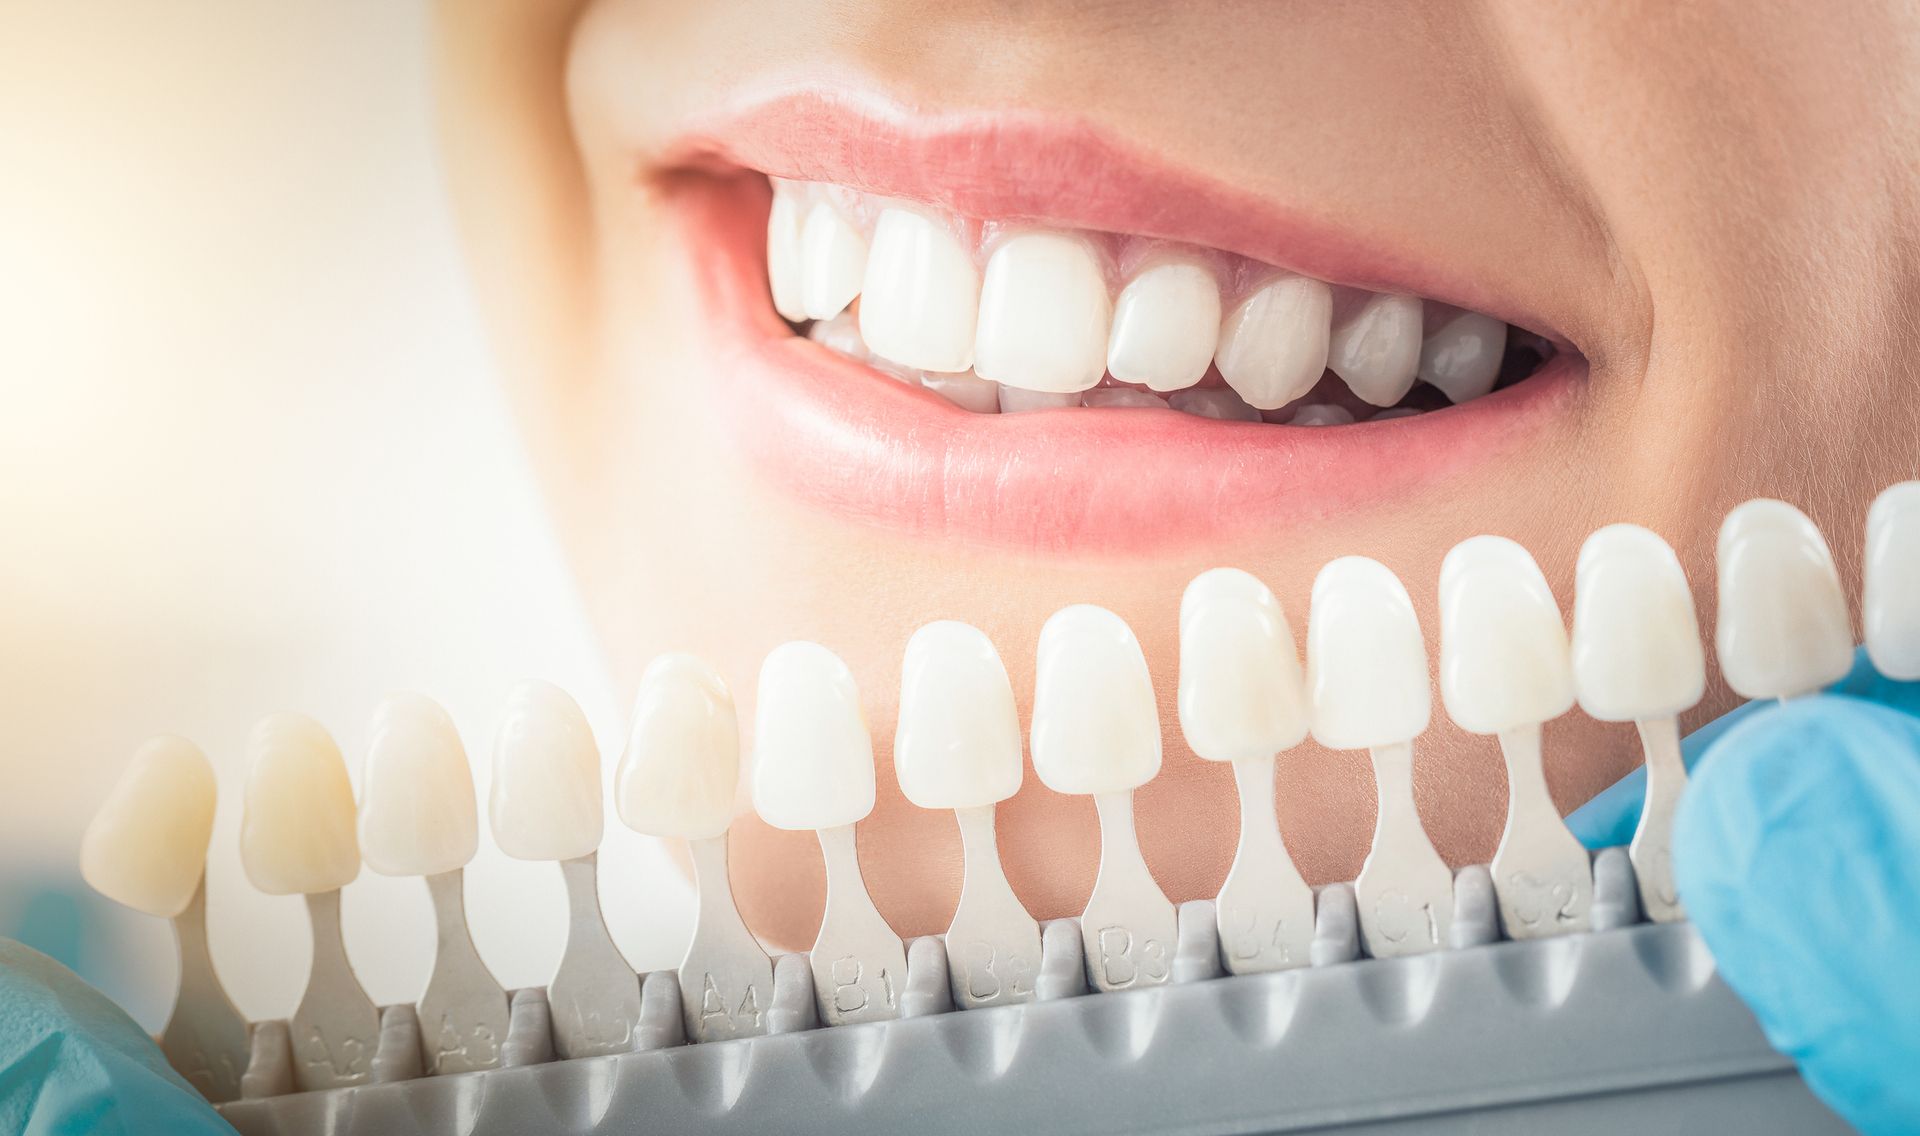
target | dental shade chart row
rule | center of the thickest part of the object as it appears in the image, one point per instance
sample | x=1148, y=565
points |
x=1506, y=665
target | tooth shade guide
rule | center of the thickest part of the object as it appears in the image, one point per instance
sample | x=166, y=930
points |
x=726, y=979
x=205, y=1038
x=1264, y=911
x=463, y=1011
x=859, y=964
x=1404, y=891
x=336, y=1029
x=993, y=944
x=1129, y=928
x=594, y=997
x=1541, y=873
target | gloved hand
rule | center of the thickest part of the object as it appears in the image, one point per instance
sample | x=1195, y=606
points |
x=72, y=1061
x=1797, y=854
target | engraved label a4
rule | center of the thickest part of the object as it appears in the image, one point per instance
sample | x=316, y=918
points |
x=715, y=1015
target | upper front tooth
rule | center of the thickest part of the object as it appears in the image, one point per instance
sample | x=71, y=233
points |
x=833, y=259
x=682, y=762
x=1636, y=644
x=1366, y=658
x=1377, y=350
x=920, y=295
x=812, y=756
x=1096, y=728
x=545, y=802
x=1044, y=315
x=1503, y=648
x=1783, y=627
x=417, y=812
x=296, y=826
x=147, y=846
x=958, y=741
x=1462, y=355
x=1273, y=346
x=1890, y=604
x=1165, y=326
x=1242, y=694
x=783, y=251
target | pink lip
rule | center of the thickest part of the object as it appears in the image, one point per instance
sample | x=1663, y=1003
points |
x=873, y=451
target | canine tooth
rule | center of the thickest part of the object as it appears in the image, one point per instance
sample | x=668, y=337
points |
x=1096, y=731
x=1783, y=628
x=1114, y=397
x=1504, y=670
x=1890, y=605
x=1377, y=349
x=1213, y=402
x=545, y=803
x=783, y=251
x=1243, y=699
x=921, y=294
x=1165, y=326
x=1314, y=414
x=417, y=812
x=965, y=390
x=1273, y=345
x=813, y=769
x=1367, y=679
x=833, y=261
x=1013, y=400
x=147, y=846
x=1462, y=356
x=1637, y=657
x=840, y=334
x=1044, y=315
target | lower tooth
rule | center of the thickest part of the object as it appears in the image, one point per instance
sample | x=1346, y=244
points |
x=842, y=334
x=1213, y=402
x=1113, y=397
x=1013, y=400
x=965, y=390
x=1314, y=414
x=1396, y=412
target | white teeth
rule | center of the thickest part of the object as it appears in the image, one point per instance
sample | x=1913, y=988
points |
x=1891, y=603
x=1377, y=349
x=1013, y=400
x=1044, y=315
x=1165, y=326
x=965, y=390
x=1462, y=355
x=1273, y=345
x=1366, y=658
x=920, y=295
x=783, y=251
x=842, y=334
x=682, y=762
x=1783, y=627
x=958, y=741
x=1636, y=643
x=296, y=829
x=1112, y=397
x=1096, y=728
x=1314, y=414
x=812, y=757
x=147, y=845
x=417, y=812
x=1503, y=648
x=545, y=802
x=1242, y=694
x=833, y=260
x=1213, y=402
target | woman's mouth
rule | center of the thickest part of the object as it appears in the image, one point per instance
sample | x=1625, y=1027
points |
x=886, y=336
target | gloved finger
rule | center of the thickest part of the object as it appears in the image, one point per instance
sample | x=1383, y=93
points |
x=1797, y=853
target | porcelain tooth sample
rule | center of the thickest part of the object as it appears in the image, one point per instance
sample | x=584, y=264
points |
x=677, y=779
x=1367, y=679
x=1096, y=732
x=1637, y=657
x=1890, y=603
x=1505, y=668
x=1243, y=699
x=297, y=838
x=1782, y=628
x=147, y=848
x=545, y=804
x=957, y=746
x=418, y=818
x=813, y=769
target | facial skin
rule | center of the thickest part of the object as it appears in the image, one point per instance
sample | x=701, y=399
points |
x=1717, y=205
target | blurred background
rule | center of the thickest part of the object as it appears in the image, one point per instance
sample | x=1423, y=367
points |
x=253, y=457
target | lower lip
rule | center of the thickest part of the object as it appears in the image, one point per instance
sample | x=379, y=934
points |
x=871, y=451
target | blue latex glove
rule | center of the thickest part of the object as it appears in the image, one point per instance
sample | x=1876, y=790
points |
x=71, y=1061
x=1797, y=852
